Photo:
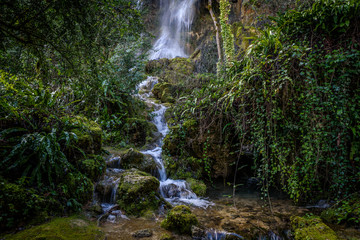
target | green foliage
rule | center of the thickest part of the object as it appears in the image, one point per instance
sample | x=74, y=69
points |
x=226, y=32
x=345, y=211
x=292, y=100
x=64, y=64
x=19, y=205
x=180, y=219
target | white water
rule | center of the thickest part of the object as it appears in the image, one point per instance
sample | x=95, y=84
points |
x=176, y=20
x=174, y=191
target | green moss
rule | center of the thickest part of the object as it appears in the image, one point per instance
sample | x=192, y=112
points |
x=89, y=134
x=131, y=158
x=139, y=131
x=19, y=205
x=197, y=186
x=137, y=192
x=311, y=228
x=180, y=219
x=166, y=236
x=163, y=91
x=92, y=167
x=61, y=229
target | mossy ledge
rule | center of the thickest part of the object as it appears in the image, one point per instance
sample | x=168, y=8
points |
x=69, y=228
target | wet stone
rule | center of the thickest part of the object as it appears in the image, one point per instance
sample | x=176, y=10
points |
x=142, y=233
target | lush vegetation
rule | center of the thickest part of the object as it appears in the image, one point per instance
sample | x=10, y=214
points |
x=68, y=69
x=283, y=108
x=291, y=99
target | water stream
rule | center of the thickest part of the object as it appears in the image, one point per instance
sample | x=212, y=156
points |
x=174, y=191
x=176, y=20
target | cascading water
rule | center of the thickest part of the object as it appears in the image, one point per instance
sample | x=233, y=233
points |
x=176, y=21
x=174, y=191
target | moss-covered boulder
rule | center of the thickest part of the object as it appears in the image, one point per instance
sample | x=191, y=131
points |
x=139, y=131
x=132, y=158
x=180, y=219
x=138, y=192
x=311, y=228
x=89, y=135
x=155, y=67
x=19, y=205
x=61, y=229
x=163, y=91
x=92, y=167
x=197, y=186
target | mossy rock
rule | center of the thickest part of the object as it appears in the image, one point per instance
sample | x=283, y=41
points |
x=180, y=219
x=311, y=228
x=138, y=192
x=163, y=91
x=197, y=186
x=156, y=66
x=61, y=229
x=92, y=167
x=19, y=205
x=139, y=131
x=89, y=135
x=132, y=158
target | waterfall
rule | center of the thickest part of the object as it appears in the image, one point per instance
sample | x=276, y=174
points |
x=174, y=191
x=176, y=20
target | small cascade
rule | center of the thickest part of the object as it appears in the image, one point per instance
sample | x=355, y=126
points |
x=174, y=191
x=176, y=21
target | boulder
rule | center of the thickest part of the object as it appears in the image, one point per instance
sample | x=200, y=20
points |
x=180, y=219
x=138, y=192
x=132, y=158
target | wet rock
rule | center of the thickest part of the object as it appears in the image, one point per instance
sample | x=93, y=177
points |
x=132, y=158
x=180, y=219
x=137, y=192
x=142, y=233
x=311, y=228
x=105, y=186
x=197, y=233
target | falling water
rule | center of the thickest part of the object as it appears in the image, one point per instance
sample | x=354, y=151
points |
x=176, y=21
x=174, y=191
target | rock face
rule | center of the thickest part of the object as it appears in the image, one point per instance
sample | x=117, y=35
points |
x=61, y=229
x=137, y=192
x=180, y=219
x=311, y=228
